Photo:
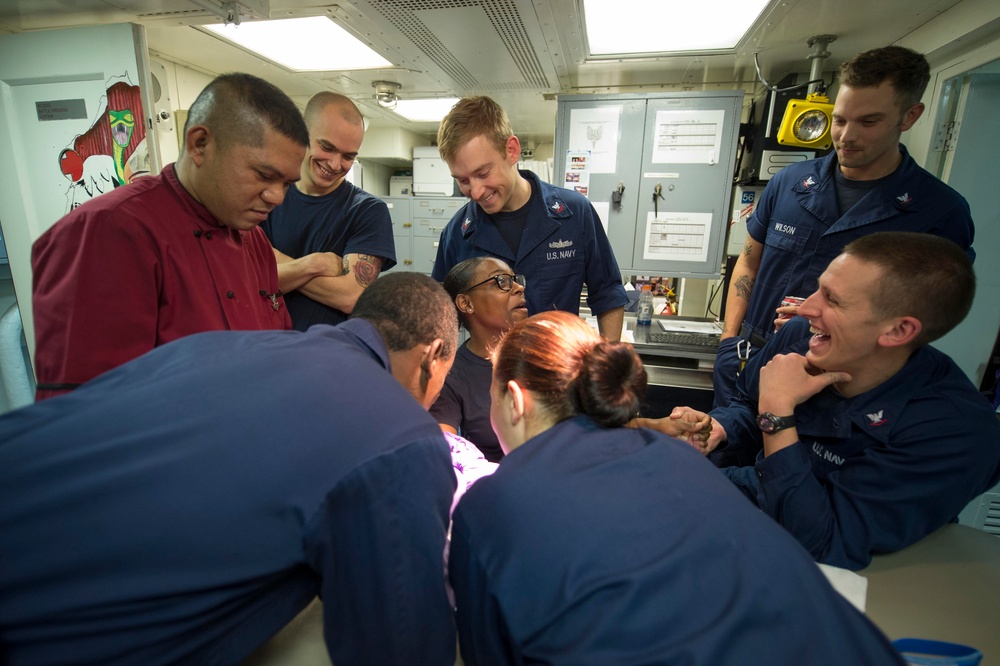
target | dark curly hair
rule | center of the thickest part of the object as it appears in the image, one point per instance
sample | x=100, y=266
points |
x=409, y=309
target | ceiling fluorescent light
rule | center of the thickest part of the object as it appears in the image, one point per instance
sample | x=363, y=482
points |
x=425, y=110
x=314, y=44
x=613, y=28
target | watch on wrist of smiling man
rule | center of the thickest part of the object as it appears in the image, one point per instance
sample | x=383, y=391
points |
x=770, y=424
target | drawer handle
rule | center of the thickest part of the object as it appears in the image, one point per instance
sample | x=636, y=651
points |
x=407, y=225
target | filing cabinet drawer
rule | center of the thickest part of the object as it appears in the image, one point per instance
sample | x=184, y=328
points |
x=424, y=253
x=437, y=208
x=400, y=214
x=428, y=227
x=404, y=253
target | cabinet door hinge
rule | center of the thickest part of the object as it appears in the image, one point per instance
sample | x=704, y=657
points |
x=946, y=137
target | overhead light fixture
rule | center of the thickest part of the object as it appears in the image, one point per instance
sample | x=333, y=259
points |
x=386, y=93
x=710, y=25
x=806, y=122
x=425, y=110
x=291, y=43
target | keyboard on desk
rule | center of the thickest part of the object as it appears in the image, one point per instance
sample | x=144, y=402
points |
x=681, y=338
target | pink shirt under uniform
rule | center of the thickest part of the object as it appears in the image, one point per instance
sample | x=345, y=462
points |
x=139, y=267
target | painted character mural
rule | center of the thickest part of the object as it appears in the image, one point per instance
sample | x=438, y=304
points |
x=112, y=152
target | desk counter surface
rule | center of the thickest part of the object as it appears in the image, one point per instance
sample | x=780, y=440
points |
x=685, y=366
x=945, y=587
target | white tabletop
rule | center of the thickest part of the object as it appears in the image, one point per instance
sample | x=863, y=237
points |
x=945, y=587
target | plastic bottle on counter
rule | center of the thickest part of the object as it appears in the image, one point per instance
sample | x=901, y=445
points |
x=644, y=315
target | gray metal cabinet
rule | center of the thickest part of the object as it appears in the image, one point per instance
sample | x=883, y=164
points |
x=402, y=231
x=430, y=215
x=679, y=145
x=416, y=226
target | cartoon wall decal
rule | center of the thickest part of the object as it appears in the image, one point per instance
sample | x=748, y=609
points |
x=113, y=151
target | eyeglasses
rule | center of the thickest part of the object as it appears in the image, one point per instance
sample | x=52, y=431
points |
x=504, y=282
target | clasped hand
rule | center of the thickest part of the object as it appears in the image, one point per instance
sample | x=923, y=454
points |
x=696, y=428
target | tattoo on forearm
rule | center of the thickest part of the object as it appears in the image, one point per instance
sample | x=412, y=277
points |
x=367, y=269
x=345, y=267
x=747, y=248
x=744, y=285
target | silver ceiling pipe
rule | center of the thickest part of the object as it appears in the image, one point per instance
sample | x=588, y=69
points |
x=819, y=54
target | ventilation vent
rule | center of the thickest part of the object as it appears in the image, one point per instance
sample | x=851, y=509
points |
x=400, y=14
x=439, y=28
x=507, y=22
x=983, y=513
x=991, y=516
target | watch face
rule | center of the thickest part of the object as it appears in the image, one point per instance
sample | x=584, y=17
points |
x=765, y=422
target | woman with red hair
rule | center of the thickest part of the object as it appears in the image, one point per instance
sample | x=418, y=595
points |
x=594, y=543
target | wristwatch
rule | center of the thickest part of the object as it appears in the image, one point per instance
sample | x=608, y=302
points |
x=770, y=424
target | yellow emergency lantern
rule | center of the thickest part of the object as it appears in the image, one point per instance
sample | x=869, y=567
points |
x=806, y=122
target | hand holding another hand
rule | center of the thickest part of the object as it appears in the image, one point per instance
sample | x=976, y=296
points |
x=697, y=428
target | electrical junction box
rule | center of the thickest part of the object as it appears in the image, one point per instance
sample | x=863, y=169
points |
x=673, y=155
x=431, y=176
x=745, y=198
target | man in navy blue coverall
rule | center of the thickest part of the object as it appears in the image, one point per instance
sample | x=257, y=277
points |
x=184, y=507
x=866, y=438
x=550, y=235
x=811, y=210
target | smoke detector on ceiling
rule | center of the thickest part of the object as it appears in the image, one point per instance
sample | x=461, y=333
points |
x=386, y=93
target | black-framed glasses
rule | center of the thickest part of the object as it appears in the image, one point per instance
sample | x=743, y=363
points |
x=504, y=282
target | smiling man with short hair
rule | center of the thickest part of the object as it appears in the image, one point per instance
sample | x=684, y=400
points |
x=866, y=438
x=551, y=235
x=331, y=239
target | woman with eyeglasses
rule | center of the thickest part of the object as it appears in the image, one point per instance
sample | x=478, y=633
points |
x=593, y=543
x=489, y=299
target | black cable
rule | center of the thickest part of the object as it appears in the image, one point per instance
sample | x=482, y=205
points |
x=711, y=297
x=767, y=85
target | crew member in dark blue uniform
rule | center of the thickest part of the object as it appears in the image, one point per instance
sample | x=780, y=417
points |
x=185, y=506
x=810, y=211
x=866, y=438
x=596, y=544
x=331, y=238
x=551, y=235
